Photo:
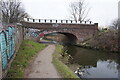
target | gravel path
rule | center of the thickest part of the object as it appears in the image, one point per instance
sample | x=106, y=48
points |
x=42, y=66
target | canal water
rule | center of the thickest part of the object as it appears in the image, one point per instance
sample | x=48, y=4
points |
x=88, y=63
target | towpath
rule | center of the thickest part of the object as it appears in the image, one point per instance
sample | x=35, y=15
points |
x=42, y=66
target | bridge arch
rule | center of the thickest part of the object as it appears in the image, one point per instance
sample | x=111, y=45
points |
x=71, y=38
x=81, y=30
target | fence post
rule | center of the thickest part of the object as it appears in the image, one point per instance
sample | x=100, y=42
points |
x=0, y=51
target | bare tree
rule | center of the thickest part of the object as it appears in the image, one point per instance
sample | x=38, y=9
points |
x=12, y=11
x=79, y=10
x=115, y=24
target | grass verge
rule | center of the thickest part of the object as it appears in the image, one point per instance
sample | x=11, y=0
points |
x=28, y=50
x=63, y=70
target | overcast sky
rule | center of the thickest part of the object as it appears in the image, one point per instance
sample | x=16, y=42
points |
x=102, y=11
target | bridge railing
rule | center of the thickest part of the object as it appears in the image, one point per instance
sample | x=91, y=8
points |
x=56, y=21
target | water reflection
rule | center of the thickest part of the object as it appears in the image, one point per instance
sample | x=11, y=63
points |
x=88, y=63
x=94, y=64
x=102, y=70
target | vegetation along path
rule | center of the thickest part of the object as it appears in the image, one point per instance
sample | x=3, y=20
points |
x=42, y=66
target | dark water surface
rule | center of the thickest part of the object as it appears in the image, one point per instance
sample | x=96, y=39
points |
x=88, y=63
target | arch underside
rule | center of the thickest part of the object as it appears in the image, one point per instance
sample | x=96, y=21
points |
x=71, y=38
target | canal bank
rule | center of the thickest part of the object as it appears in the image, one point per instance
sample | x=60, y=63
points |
x=103, y=41
x=63, y=69
x=87, y=63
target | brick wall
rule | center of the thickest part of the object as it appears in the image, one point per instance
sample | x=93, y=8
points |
x=10, y=39
x=81, y=31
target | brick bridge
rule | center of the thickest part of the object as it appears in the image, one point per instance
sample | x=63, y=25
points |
x=72, y=29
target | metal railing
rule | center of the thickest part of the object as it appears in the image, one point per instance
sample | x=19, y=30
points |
x=56, y=21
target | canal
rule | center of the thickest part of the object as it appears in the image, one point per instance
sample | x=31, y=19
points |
x=88, y=63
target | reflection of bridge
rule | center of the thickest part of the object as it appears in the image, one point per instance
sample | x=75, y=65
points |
x=69, y=28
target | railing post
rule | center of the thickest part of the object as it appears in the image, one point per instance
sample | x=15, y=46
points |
x=56, y=21
x=76, y=21
x=80, y=21
x=50, y=21
x=0, y=51
x=61, y=21
x=33, y=20
x=27, y=19
x=85, y=22
x=71, y=21
x=39, y=20
x=66, y=21
x=90, y=22
x=45, y=20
